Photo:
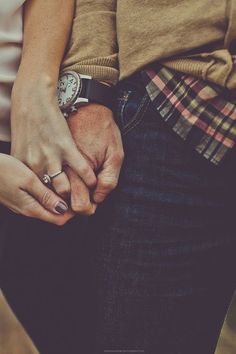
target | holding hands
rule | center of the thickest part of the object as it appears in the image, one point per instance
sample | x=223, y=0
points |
x=87, y=148
x=83, y=155
x=22, y=192
x=98, y=138
x=41, y=138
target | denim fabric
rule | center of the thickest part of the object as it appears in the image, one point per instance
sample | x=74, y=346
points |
x=162, y=247
x=166, y=240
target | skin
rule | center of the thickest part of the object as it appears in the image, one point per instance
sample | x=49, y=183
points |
x=13, y=338
x=40, y=135
x=90, y=144
x=98, y=138
x=25, y=194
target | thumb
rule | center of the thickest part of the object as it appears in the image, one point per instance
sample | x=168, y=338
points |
x=46, y=197
x=106, y=181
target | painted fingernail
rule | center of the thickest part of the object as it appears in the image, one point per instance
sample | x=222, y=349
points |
x=61, y=208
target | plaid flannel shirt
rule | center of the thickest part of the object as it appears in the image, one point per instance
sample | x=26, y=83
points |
x=202, y=114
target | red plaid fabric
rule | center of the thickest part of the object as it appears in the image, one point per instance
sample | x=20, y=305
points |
x=202, y=114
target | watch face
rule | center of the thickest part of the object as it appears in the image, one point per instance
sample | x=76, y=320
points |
x=68, y=88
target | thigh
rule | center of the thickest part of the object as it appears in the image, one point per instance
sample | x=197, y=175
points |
x=46, y=275
x=47, y=280
x=166, y=244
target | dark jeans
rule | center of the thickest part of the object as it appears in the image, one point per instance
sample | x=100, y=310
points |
x=154, y=269
x=166, y=255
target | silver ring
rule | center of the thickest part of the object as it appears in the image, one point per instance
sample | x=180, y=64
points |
x=55, y=174
x=47, y=179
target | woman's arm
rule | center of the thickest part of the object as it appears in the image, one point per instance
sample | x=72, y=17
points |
x=40, y=135
x=47, y=26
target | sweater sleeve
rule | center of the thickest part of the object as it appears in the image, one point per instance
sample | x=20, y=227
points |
x=93, y=48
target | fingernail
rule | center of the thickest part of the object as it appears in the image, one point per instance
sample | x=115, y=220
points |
x=61, y=207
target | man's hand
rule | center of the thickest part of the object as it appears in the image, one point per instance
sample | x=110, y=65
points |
x=98, y=139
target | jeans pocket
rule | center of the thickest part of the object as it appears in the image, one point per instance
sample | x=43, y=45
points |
x=130, y=108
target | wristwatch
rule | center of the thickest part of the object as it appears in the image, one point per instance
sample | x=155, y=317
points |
x=75, y=90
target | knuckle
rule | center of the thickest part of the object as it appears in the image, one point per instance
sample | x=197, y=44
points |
x=81, y=208
x=65, y=145
x=60, y=222
x=63, y=190
x=33, y=163
x=76, y=207
x=31, y=179
x=109, y=185
x=118, y=158
x=46, y=198
x=84, y=169
x=100, y=197
x=90, y=212
x=28, y=211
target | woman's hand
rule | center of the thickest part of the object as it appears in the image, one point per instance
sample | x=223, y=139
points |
x=22, y=192
x=40, y=135
x=41, y=138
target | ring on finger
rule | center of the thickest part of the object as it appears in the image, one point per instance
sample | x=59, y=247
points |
x=55, y=174
x=47, y=179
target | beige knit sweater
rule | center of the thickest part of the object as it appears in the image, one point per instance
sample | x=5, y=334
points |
x=111, y=39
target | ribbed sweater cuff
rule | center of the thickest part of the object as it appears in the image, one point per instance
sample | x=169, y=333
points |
x=100, y=73
x=193, y=67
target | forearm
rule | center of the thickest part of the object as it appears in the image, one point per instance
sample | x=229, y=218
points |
x=93, y=48
x=47, y=26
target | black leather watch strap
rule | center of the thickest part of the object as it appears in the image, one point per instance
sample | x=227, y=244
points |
x=98, y=92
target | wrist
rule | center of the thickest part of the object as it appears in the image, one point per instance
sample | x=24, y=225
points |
x=28, y=86
x=76, y=90
x=91, y=112
x=37, y=76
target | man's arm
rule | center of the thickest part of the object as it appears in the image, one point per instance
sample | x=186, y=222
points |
x=93, y=48
x=93, y=51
